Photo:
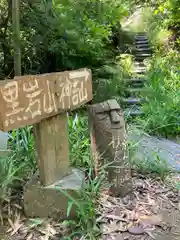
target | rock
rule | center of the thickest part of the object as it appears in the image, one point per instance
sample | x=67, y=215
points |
x=136, y=230
x=149, y=148
x=108, y=140
x=3, y=143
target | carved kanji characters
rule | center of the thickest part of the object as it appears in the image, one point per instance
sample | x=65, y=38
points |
x=83, y=96
x=49, y=104
x=10, y=96
x=65, y=92
x=75, y=95
x=33, y=94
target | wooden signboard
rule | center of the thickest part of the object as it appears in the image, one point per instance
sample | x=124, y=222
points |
x=29, y=99
x=43, y=100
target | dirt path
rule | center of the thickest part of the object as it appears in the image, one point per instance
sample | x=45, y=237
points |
x=152, y=211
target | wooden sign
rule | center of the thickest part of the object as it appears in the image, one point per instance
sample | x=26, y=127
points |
x=29, y=99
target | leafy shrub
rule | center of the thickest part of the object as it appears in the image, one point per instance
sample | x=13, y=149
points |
x=79, y=143
x=61, y=35
x=162, y=112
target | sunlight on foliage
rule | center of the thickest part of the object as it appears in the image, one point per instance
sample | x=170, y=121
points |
x=162, y=112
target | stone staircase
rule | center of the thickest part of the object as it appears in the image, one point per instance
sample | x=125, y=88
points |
x=135, y=85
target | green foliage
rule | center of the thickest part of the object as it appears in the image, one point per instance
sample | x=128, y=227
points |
x=61, y=35
x=22, y=162
x=108, y=83
x=87, y=26
x=86, y=224
x=170, y=11
x=109, y=79
x=9, y=172
x=162, y=112
x=156, y=167
x=151, y=165
x=79, y=142
x=22, y=146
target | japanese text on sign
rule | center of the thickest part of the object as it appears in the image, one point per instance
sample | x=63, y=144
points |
x=29, y=99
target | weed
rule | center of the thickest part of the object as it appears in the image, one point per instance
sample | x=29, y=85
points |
x=147, y=165
x=162, y=112
x=9, y=172
x=20, y=163
x=86, y=207
x=22, y=144
x=79, y=142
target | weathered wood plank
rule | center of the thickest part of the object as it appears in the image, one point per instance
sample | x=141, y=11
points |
x=30, y=99
x=52, y=147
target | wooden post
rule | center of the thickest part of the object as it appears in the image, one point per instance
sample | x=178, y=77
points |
x=44, y=100
x=17, y=64
x=16, y=36
x=52, y=148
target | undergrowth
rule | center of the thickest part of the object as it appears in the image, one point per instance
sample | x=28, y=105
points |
x=162, y=100
x=151, y=164
x=86, y=203
x=21, y=164
x=162, y=112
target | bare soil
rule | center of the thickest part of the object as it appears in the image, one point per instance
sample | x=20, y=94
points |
x=151, y=211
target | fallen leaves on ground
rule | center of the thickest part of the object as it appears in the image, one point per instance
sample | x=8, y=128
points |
x=139, y=213
x=137, y=216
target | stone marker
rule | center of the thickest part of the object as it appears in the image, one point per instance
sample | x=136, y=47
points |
x=3, y=144
x=108, y=138
x=43, y=100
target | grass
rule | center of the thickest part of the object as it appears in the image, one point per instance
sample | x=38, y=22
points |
x=14, y=168
x=87, y=208
x=22, y=164
x=162, y=112
x=151, y=165
x=79, y=141
x=9, y=172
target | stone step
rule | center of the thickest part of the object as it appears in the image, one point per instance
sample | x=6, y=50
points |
x=134, y=111
x=135, y=80
x=139, y=64
x=136, y=84
x=130, y=100
x=141, y=50
x=139, y=38
x=145, y=50
x=141, y=41
x=142, y=44
x=139, y=71
x=142, y=56
x=135, y=90
x=141, y=34
x=140, y=67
